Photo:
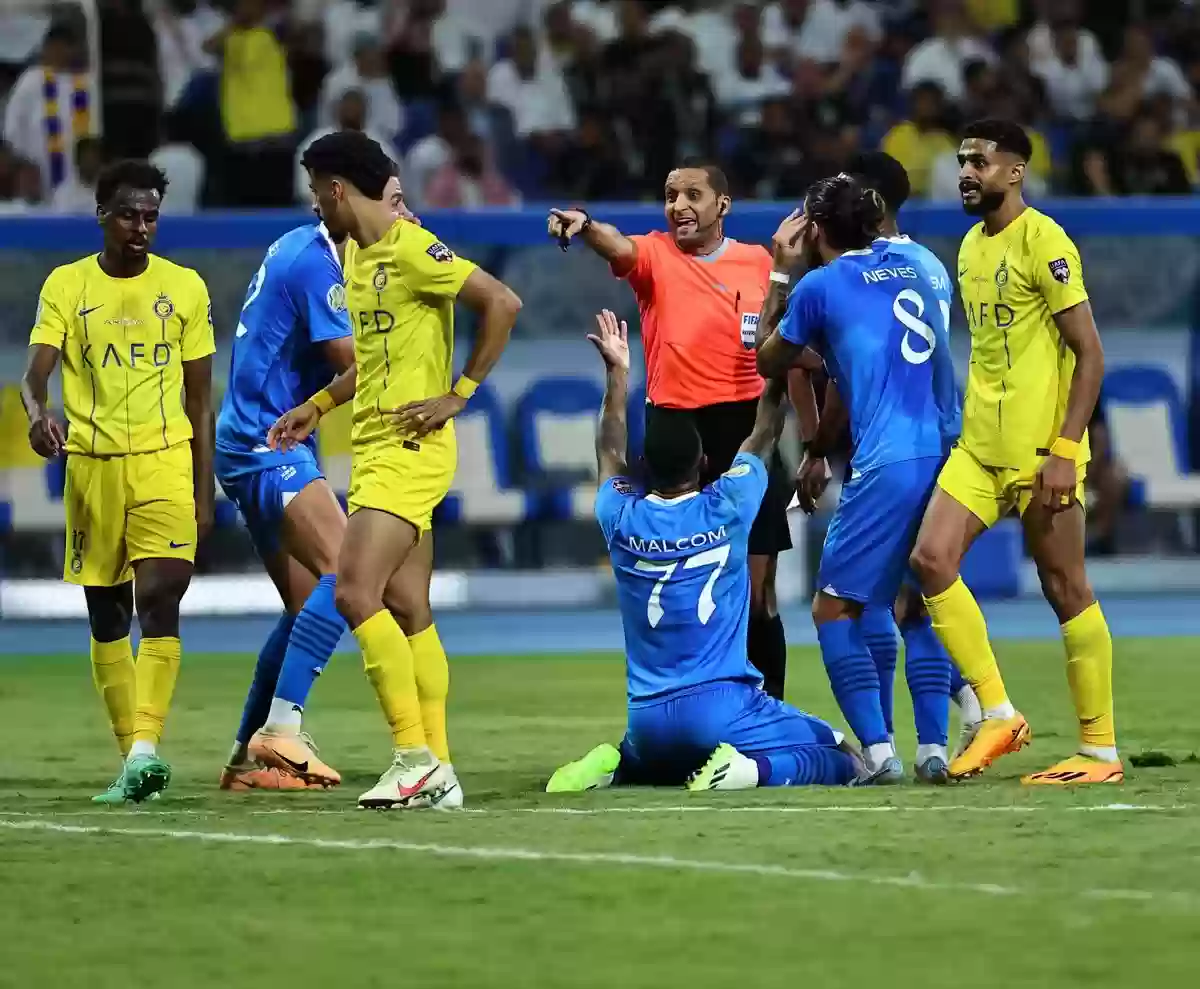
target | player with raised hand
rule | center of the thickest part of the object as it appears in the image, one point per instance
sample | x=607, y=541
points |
x=680, y=553
x=699, y=293
x=293, y=336
x=135, y=337
x=401, y=286
x=873, y=315
x=1036, y=368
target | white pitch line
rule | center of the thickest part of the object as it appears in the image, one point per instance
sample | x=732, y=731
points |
x=232, y=808
x=663, y=862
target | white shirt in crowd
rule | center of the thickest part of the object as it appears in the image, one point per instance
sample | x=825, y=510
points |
x=74, y=198
x=303, y=191
x=424, y=159
x=538, y=105
x=181, y=41
x=344, y=21
x=599, y=18
x=184, y=168
x=744, y=97
x=711, y=32
x=822, y=35
x=1073, y=89
x=1040, y=42
x=25, y=124
x=385, y=113
x=941, y=60
x=21, y=34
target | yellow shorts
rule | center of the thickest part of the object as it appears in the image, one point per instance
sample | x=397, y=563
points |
x=990, y=493
x=140, y=506
x=402, y=481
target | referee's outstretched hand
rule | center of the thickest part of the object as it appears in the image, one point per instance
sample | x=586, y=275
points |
x=563, y=224
x=612, y=339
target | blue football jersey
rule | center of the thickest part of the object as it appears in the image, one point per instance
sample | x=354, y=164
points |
x=683, y=579
x=882, y=327
x=295, y=302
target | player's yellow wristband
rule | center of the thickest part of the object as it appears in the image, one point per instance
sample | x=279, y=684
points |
x=1065, y=448
x=464, y=387
x=324, y=402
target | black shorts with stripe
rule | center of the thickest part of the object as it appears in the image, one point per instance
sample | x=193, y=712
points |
x=723, y=428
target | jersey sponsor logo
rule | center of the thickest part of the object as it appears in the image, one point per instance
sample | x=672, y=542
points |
x=693, y=541
x=977, y=314
x=380, y=320
x=1060, y=270
x=380, y=278
x=121, y=320
x=440, y=252
x=738, y=470
x=336, y=298
x=164, y=308
x=159, y=355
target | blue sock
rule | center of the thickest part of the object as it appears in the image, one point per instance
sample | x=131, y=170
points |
x=853, y=678
x=266, y=675
x=318, y=629
x=810, y=765
x=927, y=668
x=957, y=680
x=879, y=632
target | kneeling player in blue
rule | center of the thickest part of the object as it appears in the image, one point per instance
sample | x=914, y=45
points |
x=697, y=710
x=292, y=338
x=872, y=311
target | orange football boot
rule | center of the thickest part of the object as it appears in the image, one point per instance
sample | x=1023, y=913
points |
x=250, y=776
x=1078, y=769
x=292, y=753
x=996, y=737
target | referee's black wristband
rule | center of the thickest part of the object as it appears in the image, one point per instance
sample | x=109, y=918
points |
x=564, y=242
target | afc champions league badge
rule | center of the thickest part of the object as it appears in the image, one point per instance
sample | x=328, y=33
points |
x=164, y=308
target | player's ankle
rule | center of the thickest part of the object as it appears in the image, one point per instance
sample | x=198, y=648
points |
x=142, y=747
x=1000, y=712
x=1102, y=753
x=876, y=755
x=927, y=752
x=284, y=716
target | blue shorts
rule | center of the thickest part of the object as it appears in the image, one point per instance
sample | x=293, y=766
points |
x=262, y=496
x=671, y=738
x=872, y=533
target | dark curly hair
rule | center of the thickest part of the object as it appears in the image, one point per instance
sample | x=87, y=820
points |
x=848, y=213
x=135, y=173
x=1006, y=135
x=352, y=156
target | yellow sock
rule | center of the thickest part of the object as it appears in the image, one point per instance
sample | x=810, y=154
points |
x=1089, y=672
x=959, y=623
x=115, y=677
x=157, y=670
x=389, y=665
x=433, y=684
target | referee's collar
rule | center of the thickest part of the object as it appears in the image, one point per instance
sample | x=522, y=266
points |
x=715, y=255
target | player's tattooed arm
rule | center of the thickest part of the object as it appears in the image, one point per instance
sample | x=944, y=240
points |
x=1057, y=477
x=497, y=306
x=46, y=435
x=612, y=434
x=768, y=423
x=197, y=404
x=564, y=225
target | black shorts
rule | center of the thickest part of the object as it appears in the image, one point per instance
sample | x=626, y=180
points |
x=723, y=429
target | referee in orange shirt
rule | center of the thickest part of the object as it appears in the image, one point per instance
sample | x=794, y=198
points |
x=699, y=293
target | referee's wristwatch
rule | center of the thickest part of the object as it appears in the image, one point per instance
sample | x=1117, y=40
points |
x=564, y=242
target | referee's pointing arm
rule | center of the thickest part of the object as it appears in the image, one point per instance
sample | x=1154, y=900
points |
x=603, y=238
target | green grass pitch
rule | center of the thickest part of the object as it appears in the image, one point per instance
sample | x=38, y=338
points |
x=984, y=884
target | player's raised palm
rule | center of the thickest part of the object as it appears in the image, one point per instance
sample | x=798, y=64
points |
x=788, y=242
x=611, y=339
x=294, y=427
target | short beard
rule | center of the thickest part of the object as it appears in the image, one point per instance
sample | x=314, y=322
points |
x=989, y=202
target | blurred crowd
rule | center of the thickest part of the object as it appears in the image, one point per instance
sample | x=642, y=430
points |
x=486, y=102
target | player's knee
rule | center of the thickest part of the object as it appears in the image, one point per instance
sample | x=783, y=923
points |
x=354, y=602
x=826, y=609
x=158, y=604
x=910, y=607
x=411, y=616
x=1066, y=589
x=110, y=612
x=933, y=563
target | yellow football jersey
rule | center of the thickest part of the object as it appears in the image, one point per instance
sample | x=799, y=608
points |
x=400, y=294
x=123, y=344
x=1012, y=285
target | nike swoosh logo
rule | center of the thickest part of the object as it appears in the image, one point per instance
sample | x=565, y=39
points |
x=84, y=312
x=175, y=545
x=412, y=791
x=300, y=767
